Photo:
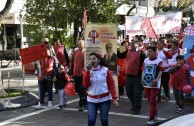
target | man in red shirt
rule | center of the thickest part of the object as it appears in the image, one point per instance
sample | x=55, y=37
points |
x=78, y=66
x=134, y=61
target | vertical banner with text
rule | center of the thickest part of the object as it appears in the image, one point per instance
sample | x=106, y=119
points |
x=102, y=39
x=188, y=48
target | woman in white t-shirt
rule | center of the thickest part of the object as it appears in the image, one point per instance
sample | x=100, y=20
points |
x=101, y=90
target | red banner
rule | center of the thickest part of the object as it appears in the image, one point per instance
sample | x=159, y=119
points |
x=33, y=53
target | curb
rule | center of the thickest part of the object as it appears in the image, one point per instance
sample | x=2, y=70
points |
x=26, y=100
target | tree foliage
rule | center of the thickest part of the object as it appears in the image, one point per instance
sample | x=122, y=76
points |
x=166, y=5
x=56, y=15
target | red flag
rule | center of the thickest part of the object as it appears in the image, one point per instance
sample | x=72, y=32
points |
x=33, y=53
x=85, y=18
x=149, y=29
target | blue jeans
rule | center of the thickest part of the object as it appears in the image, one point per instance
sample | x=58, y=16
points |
x=45, y=86
x=103, y=107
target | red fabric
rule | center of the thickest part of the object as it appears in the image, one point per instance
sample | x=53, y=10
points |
x=151, y=94
x=133, y=62
x=86, y=79
x=190, y=62
x=99, y=96
x=178, y=78
x=168, y=54
x=67, y=77
x=111, y=85
x=69, y=89
x=180, y=44
x=33, y=53
x=85, y=18
x=59, y=50
x=149, y=29
x=78, y=63
x=46, y=67
x=122, y=72
x=110, y=82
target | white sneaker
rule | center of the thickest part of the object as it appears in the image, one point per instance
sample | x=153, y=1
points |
x=39, y=106
x=151, y=122
x=50, y=104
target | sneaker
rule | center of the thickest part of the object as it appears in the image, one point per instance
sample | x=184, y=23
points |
x=50, y=104
x=81, y=109
x=177, y=107
x=60, y=106
x=151, y=122
x=39, y=106
x=179, y=110
x=156, y=118
x=167, y=99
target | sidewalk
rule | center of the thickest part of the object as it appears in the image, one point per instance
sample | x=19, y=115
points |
x=28, y=98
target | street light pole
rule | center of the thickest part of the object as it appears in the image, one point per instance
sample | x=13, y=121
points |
x=174, y=4
x=21, y=29
x=156, y=6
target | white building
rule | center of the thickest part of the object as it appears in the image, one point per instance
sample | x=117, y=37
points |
x=10, y=26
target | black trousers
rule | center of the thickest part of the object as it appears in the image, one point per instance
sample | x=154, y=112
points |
x=179, y=98
x=134, y=90
x=164, y=82
x=80, y=90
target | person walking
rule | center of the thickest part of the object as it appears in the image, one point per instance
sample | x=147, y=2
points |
x=78, y=66
x=47, y=71
x=133, y=88
x=164, y=54
x=101, y=89
x=151, y=80
x=180, y=76
x=61, y=80
x=62, y=56
x=61, y=52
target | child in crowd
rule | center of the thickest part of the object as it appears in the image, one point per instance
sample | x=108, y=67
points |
x=61, y=80
x=180, y=76
x=151, y=80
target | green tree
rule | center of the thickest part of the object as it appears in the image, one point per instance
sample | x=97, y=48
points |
x=56, y=15
x=166, y=5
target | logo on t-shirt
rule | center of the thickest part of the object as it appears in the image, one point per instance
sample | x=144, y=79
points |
x=149, y=74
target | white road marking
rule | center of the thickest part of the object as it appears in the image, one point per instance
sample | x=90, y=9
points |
x=171, y=101
x=119, y=114
x=71, y=109
x=12, y=68
x=33, y=113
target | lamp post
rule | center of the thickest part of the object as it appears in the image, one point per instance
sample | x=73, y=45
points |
x=174, y=4
x=156, y=6
x=21, y=29
x=193, y=10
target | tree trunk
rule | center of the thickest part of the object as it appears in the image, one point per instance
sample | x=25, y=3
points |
x=6, y=9
x=3, y=13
